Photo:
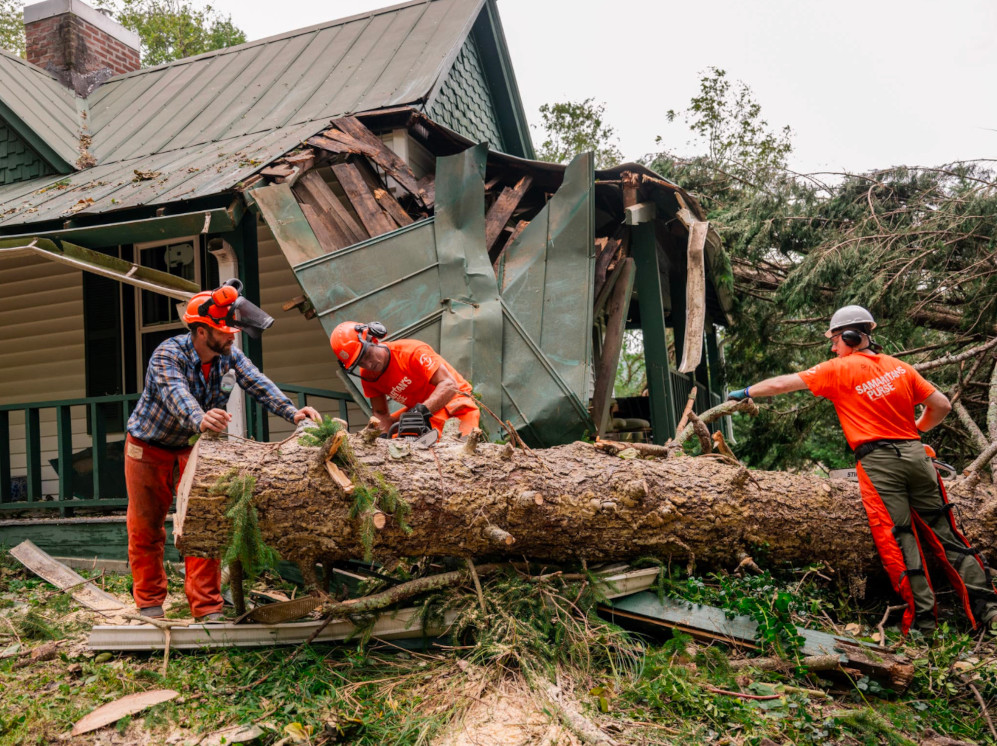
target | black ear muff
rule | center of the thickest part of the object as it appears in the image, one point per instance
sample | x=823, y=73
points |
x=851, y=338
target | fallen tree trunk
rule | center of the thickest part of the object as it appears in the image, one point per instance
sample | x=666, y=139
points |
x=561, y=503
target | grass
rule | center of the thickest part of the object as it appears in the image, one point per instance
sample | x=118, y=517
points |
x=636, y=689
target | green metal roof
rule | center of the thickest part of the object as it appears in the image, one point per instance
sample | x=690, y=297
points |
x=40, y=109
x=205, y=123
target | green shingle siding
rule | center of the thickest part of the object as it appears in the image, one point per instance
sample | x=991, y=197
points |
x=464, y=103
x=18, y=161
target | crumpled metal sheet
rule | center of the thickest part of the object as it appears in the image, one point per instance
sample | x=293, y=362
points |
x=433, y=281
x=548, y=276
x=471, y=324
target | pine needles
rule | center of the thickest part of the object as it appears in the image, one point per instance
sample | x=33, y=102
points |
x=372, y=493
x=247, y=543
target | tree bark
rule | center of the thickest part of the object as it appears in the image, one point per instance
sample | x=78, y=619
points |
x=557, y=504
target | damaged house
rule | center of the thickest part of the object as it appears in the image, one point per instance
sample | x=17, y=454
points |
x=374, y=167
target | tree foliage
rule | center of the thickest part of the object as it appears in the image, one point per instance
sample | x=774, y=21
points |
x=571, y=128
x=914, y=245
x=12, y=26
x=173, y=29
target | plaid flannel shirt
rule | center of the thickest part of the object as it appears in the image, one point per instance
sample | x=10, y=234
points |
x=176, y=396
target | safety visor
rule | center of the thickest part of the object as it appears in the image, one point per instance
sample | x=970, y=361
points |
x=247, y=316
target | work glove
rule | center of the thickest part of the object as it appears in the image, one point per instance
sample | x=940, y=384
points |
x=738, y=394
x=424, y=411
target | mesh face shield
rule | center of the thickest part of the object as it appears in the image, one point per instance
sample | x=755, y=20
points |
x=249, y=317
x=239, y=313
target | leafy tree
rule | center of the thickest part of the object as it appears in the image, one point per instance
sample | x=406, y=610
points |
x=727, y=125
x=173, y=29
x=571, y=128
x=12, y=26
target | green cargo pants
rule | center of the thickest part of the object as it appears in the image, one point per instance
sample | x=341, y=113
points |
x=907, y=510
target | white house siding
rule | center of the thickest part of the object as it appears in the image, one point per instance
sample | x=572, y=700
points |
x=295, y=350
x=41, y=354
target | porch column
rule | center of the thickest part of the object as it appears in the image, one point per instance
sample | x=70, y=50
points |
x=652, y=319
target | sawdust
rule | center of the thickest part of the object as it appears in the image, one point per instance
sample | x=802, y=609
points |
x=507, y=715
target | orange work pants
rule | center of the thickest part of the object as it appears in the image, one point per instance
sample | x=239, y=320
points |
x=149, y=478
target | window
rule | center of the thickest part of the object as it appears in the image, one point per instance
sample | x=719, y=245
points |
x=158, y=316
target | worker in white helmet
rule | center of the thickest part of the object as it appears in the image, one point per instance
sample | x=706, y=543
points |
x=875, y=396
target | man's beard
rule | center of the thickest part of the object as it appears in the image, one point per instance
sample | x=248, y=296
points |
x=220, y=347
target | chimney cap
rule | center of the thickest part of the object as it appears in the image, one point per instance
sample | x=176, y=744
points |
x=50, y=8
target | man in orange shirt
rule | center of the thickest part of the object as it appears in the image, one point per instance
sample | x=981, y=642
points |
x=407, y=371
x=874, y=396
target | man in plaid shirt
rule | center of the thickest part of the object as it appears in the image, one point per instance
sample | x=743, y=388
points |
x=187, y=386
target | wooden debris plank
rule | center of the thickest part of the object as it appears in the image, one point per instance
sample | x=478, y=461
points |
x=326, y=230
x=360, y=196
x=608, y=248
x=56, y=573
x=391, y=625
x=381, y=154
x=427, y=189
x=502, y=209
x=520, y=227
x=619, y=305
x=336, y=145
x=277, y=171
x=395, y=212
x=311, y=189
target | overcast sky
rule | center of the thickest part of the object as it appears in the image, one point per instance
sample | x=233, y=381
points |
x=863, y=85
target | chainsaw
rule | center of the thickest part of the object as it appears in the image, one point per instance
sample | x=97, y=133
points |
x=413, y=425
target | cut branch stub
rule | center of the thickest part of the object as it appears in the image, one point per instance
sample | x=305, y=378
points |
x=499, y=536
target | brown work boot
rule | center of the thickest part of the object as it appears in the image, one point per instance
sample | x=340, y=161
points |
x=215, y=617
x=153, y=612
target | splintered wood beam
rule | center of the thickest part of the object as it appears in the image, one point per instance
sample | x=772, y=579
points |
x=619, y=304
x=279, y=170
x=520, y=227
x=311, y=189
x=610, y=247
x=380, y=153
x=395, y=212
x=502, y=209
x=390, y=205
x=360, y=196
x=427, y=189
x=328, y=233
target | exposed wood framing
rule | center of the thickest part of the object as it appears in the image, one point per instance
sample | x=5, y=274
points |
x=360, y=196
x=312, y=190
x=616, y=320
x=381, y=154
x=502, y=209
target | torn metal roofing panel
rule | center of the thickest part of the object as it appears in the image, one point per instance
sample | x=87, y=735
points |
x=189, y=173
x=41, y=110
x=472, y=325
x=384, y=58
x=433, y=280
x=550, y=266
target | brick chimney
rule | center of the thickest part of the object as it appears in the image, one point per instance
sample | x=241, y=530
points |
x=78, y=44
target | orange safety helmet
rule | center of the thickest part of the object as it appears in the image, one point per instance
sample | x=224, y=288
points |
x=349, y=340
x=227, y=310
x=214, y=315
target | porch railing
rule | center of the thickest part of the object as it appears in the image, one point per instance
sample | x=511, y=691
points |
x=85, y=469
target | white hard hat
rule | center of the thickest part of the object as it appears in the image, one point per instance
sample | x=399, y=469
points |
x=847, y=316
